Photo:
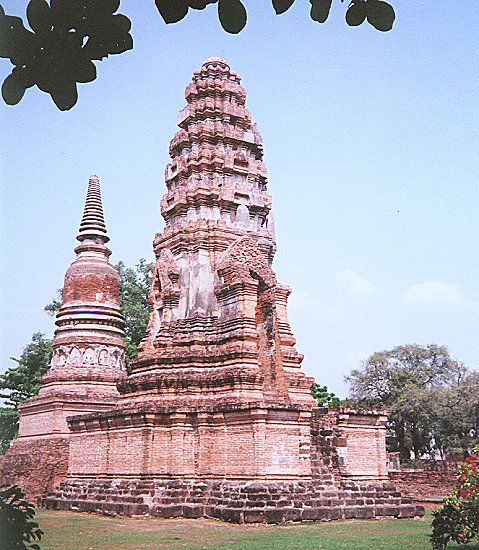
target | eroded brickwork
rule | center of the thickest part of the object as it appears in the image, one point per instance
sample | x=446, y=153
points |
x=237, y=502
x=38, y=466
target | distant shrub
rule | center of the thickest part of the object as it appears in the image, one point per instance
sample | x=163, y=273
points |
x=323, y=397
x=458, y=518
x=16, y=529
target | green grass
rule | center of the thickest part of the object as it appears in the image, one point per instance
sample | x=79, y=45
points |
x=74, y=531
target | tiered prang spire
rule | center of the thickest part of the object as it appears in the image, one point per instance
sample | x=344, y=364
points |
x=218, y=313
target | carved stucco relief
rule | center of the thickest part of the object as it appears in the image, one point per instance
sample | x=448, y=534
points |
x=107, y=356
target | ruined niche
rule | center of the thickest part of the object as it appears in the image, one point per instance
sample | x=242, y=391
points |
x=103, y=357
x=242, y=217
x=89, y=356
x=264, y=321
x=74, y=357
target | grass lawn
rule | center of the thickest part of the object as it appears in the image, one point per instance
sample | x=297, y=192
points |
x=75, y=531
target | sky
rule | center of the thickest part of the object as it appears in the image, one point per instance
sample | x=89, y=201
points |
x=372, y=147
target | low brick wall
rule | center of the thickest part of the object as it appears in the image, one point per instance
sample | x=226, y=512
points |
x=36, y=465
x=424, y=485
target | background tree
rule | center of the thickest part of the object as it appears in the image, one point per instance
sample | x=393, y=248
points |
x=8, y=427
x=22, y=381
x=67, y=36
x=54, y=306
x=456, y=424
x=135, y=284
x=432, y=399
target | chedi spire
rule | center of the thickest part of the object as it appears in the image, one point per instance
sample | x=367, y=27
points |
x=92, y=225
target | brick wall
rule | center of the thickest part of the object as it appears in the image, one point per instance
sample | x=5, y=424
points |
x=247, y=443
x=36, y=465
x=424, y=485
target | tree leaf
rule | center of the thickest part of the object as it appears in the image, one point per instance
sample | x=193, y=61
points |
x=121, y=45
x=122, y=22
x=39, y=16
x=356, y=13
x=12, y=90
x=200, y=4
x=380, y=15
x=85, y=71
x=280, y=6
x=111, y=5
x=320, y=10
x=24, y=76
x=172, y=11
x=232, y=15
x=65, y=95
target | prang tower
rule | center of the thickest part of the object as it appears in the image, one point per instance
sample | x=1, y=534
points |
x=218, y=330
x=216, y=391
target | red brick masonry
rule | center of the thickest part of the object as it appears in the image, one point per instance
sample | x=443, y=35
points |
x=326, y=495
x=424, y=485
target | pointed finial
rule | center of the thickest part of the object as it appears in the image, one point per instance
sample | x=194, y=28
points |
x=92, y=225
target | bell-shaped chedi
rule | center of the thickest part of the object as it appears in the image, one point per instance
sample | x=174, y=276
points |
x=219, y=329
x=88, y=348
x=87, y=361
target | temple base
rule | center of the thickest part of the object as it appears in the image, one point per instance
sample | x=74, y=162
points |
x=334, y=467
x=235, y=502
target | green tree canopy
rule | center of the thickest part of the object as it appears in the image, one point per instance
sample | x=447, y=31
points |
x=8, y=427
x=432, y=399
x=23, y=380
x=135, y=284
x=67, y=36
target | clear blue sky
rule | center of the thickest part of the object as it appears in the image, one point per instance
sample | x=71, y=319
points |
x=371, y=141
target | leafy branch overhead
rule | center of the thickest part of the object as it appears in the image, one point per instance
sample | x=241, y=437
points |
x=233, y=16
x=66, y=36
